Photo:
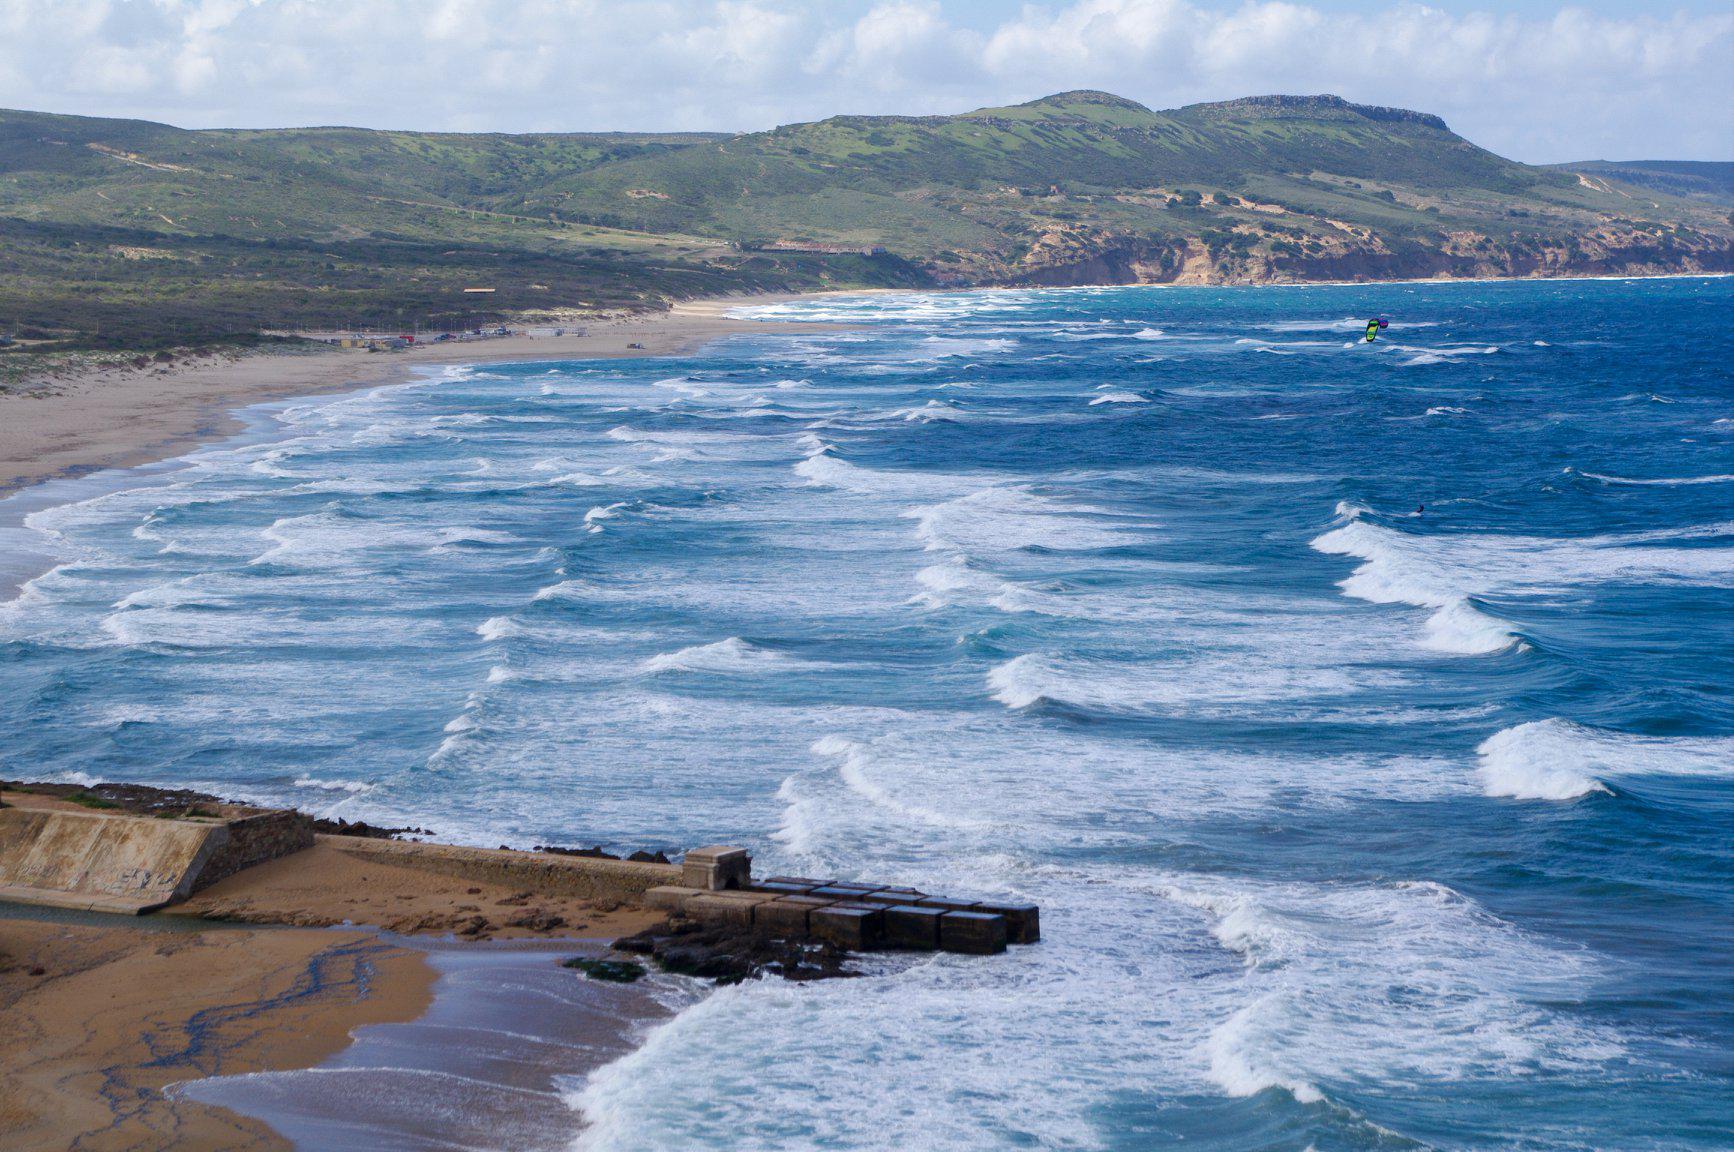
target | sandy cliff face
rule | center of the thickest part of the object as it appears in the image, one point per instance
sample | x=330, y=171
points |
x=1079, y=256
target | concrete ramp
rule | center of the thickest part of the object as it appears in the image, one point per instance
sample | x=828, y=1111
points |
x=108, y=862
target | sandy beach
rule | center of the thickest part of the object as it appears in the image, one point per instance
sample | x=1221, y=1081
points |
x=272, y=969
x=120, y=417
x=100, y=1019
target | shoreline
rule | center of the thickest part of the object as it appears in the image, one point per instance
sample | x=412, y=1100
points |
x=110, y=428
x=109, y=418
x=506, y=1034
x=113, y=419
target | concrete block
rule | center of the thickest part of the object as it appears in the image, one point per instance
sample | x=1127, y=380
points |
x=889, y=896
x=839, y=892
x=907, y=926
x=783, y=887
x=853, y=926
x=946, y=904
x=670, y=897
x=803, y=881
x=716, y=868
x=1023, y=922
x=724, y=907
x=787, y=916
x=976, y=933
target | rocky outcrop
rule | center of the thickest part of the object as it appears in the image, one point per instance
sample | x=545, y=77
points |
x=730, y=953
x=1460, y=257
x=1313, y=108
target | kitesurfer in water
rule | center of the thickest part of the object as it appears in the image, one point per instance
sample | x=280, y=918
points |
x=1375, y=326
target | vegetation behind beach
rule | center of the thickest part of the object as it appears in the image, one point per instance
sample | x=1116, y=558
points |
x=124, y=234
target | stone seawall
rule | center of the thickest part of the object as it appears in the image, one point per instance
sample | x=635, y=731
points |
x=585, y=877
x=255, y=839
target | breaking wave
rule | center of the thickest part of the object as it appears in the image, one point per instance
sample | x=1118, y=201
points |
x=1558, y=760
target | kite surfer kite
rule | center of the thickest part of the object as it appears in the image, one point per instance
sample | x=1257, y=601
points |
x=1375, y=326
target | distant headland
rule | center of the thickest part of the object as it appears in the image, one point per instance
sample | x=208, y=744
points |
x=137, y=236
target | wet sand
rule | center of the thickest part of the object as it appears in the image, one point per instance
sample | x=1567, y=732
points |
x=97, y=1021
x=495, y=1062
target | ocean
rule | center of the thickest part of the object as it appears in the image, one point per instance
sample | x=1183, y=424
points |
x=1361, y=716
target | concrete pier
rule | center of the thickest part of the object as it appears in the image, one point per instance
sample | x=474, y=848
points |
x=848, y=913
x=56, y=854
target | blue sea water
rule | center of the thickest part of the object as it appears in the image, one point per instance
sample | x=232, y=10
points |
x=1361, y=716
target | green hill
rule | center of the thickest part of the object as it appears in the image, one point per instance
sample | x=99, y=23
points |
x=124, y=232
x=1697, y=179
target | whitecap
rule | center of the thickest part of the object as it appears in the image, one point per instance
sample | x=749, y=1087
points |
x=593, y=519
x=354, y=787
x=1007, y=517
x=1556, y=759
x=1661, y=481
x=733, y=656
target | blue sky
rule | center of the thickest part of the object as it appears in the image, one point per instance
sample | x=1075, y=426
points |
x=1533, y=80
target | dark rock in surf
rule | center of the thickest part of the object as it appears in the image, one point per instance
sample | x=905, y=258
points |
x=729, y=954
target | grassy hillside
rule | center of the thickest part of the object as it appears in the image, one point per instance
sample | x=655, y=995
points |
x=1697, y=179
x=128, y=233
x=1088, y=186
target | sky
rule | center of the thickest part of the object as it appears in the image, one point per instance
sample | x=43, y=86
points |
x=1533, y=80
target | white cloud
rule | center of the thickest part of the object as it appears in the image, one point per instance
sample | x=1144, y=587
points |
x=1572, y=84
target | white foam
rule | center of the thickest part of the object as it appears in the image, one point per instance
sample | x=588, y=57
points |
x=863, y=774
x=593, y=519
x=1235, y=681
x=1665, y=482
x=946, y=347
x=1443, y=571
x=1338, y=989
x=1119, y=398
x=943, y=584
x=1558, y=760
x=1378, y=982
x=830, y=471
x=475, y=536
x=1461, y=628
x=928, y=413
x=1008, y=517
x=354, y=787
x=499, y=628
x=732, y=656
